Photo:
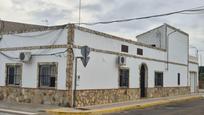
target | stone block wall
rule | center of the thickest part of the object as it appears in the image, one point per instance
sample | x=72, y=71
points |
x=84, y=97
x=167, y=91
x=104, y=96
x=35, y=96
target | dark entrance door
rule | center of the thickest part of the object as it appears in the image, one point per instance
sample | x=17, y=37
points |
x=142, y=81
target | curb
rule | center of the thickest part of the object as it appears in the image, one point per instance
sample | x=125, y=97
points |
x=121, y=108
x=16, y=112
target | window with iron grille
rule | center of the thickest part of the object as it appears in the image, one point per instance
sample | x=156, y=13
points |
x=179, y=82
x=124, y=48
x=47, y=75
x=124, y=78
x=159, y=79
x=13, y=74
x=139, y=51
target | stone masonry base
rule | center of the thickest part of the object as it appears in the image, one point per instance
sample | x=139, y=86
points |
x=167, y=91
x=84, y=97
x=35, y=96
x=105, y=96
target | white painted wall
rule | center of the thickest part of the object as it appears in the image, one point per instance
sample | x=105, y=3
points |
x=178, y=46
x=156, y=36
x=171, y=77
x=30, y=74
x=102, y=69
x=34, y=38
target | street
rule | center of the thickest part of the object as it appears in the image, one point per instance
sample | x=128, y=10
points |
x=195, y=107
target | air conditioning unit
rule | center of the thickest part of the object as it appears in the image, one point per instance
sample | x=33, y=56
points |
x=122, y=60
x=25, y=56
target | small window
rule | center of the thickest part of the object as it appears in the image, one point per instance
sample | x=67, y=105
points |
x=139, y=51
x=179, y=78
x=124, y=48
x=159, y=79
x=47, y=75
x=13, y=74
x=124, y=78
x=153, y=45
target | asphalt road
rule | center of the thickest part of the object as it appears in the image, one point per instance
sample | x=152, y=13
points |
x=195, y=107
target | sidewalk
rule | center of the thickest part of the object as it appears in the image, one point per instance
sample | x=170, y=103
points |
x=24, y=108
x=123, y=106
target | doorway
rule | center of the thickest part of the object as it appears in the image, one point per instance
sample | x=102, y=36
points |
x=143, y=81
x=193, y=82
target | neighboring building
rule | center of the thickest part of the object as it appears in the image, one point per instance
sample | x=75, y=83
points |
x=201, y=77
x=119, y=69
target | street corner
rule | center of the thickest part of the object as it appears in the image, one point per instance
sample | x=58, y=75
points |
x=120, y=108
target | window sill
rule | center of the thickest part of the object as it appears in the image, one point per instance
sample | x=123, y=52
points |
x=51, y=88
x=9, y=85
x=158, y=86
x=123, y=87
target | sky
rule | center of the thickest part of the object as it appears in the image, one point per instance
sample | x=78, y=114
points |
x=66, y=11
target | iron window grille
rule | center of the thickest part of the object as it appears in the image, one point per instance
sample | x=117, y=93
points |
x=47, y=75
x=14, y=74
x=124, y=78
x=159, y=79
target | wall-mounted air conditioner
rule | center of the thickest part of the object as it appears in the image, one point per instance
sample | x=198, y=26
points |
x=25, y=56
x=122, y=60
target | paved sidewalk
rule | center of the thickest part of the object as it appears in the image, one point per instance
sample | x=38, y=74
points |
x=123, y=106
x=24, y=109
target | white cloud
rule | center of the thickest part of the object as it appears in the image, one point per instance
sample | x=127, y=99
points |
x=64, y=11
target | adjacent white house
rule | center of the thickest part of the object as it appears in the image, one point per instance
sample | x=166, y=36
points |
x=37, y=65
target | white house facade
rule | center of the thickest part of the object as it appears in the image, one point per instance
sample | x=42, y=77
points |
x=37, y=65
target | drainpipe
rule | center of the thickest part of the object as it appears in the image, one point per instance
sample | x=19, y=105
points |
x=75, y=84
x=201, y=60
x=1, y=29
x=191, y=46
x=167, y=68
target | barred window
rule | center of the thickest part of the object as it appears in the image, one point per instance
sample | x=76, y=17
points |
x=124, y=78
x=159, y=79
x=179, y=79
x=47, y=75
x=13, y=74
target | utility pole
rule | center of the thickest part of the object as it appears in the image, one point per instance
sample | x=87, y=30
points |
x=75, y=82
x=79, y=12
x=1, y=29
x=85, y=51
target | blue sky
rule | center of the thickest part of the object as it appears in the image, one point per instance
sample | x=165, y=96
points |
x=66, y=11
